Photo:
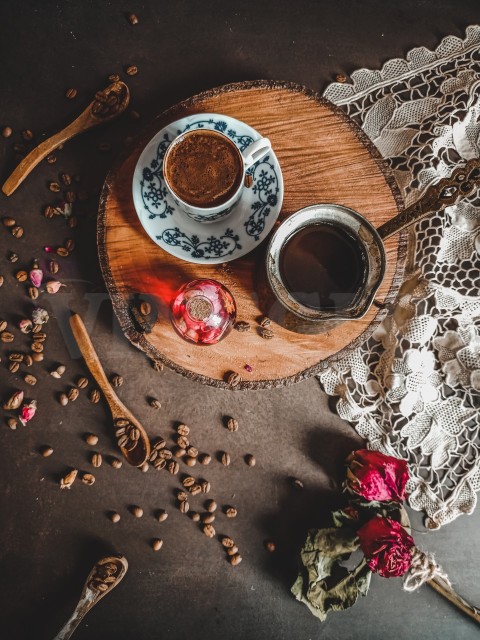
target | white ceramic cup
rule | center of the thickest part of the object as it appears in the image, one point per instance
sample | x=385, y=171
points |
x=249, y=156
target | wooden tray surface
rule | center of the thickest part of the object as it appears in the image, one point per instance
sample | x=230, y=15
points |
x=324, y=157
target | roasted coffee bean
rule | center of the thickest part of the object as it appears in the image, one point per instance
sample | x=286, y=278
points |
x=204, y=458
x=16, y=357
x=66, y=178
x=13, y=367
x=53, y=266
x=29, y=379
x=2, y=280
x=12, y=257
x=205, y=485
x=71, y=93
x=94, y=396
x=183, y=442
x=225, y=458
x=160, y=463
x=132, y=70
x=235, y=559
x=195, y=489
x=154, y=403
x=96, y=460
x=91, y=439
x=188, y=481
x=242, y=326
x=267, y=334
x=37, y=357
x=63, y=252
x=270, y=546
x=132, y=18
x=192, y=452
x=12, y=423
x=153, y=455
x=114, y=516
x=116, y=380
x=207, y=518
x=70, y=244
x=145, y=308
x=70, y=196
x=38, y=336
x=181, y=495
x=88, y=478
x=194, y=516
x=208, y=530
x=3, y=325
x=136, y=511
x=234, y=379
x=67, y=480
x=183, y=430
x=58, y=372
x=49, y=212
x=114, y=77
x=296, y=483
x=144, y=467
x=14, y=401
x=37, y=328
x=8, y=222
x=178, y=452
x=21, y=276
x=33, y=293
x=46, y=451
x=162, y=515
x=51, y=159
x=115, y=462
x=232, y=424
x=230, y=512
x=134, y=434
x=37, y=347
x=227, y=542
x=28, y=360
x=232, y=551
x=72, y=222
x=340, y=77
x=73, y=394
x=165, y=454
x=157, y=544
x=190, y=462
x=27, y=135
x=183, y=506
x=265, y=322
x=54, y=186
x=82, y=382
x=211, y=506
x=7, y=132
x=159, y=443
x=250, y=460
x=173, y=467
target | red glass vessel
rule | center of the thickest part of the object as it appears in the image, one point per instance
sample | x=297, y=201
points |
x=203, y=311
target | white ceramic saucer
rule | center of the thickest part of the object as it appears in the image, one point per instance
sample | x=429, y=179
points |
x=232, y=237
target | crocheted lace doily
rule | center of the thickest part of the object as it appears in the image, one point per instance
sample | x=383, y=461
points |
x=413, y=390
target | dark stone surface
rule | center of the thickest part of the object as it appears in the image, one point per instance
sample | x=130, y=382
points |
x=49, y=539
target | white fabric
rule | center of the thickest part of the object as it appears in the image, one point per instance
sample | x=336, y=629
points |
x=413, y=390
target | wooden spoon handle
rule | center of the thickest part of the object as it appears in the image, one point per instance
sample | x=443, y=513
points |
x=444, y=589
x=92, y=360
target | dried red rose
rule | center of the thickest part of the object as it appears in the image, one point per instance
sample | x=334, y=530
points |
x=386, y=546
x=375, y=476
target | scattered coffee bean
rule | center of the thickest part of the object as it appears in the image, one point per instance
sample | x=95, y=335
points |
x=94, y=396
x=242, y=326
x=227, y=542
x=182, y=496
x=114, y=462
x=12, y=257
x=2, y=280
x=144, y=467
x=250, y=460
x=71, y=93
x=96, y=460
x=37, y=357
x=73, y=394
x=183, y=442
x=190, y=462
x=183, y=506
x=211, y=506
x=46, y=451
x=157, y=544
x=66, y=178
x=54, y=186
x=195, y=489
x=270, y=546
x=49, y=212
x=27, y=135
x=72, y=221
x=205, y=458
x=91, y=439
x=63, y=399
x=267, y=334
x=173, y=467
x=232, y=424
x=53, y=266
x=33, y=293
x=51, y=159
x=234, y=379
x=7, y=132
x=162, y=515
x=192, y=452
x=296, y=483
x=70, y=196
x=154, y=403
x=13, y=367
x=205, y=485
x=178, y=452
x=194, y=516
x=114, y=516
x=37, y=335
x=16, y=357
x=28, y=360
x=188, y=481
x=21, y=276
x=82, y=382
x=208, y=518
x=114, y=77
x=70, y=244
x=3, y=325
x=235, y=559
x=165, y=454
x=265, y=322
x=62, y=252
x=14, y=401
x=68, y=479
x=12, y=423
x=157, y=365
x=29, y=379
x=225, y=458
x=183, y=430
x=88, y=478
x=132, y=70
x=132, y=18
x=232, y=551
x=116, y=380
x=37, y=347
x=340, y=78
x=136, y=511
x=208, y=530
x=230, y=512
x=8, y=222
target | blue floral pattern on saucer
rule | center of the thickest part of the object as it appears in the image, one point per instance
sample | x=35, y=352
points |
x=227, y=239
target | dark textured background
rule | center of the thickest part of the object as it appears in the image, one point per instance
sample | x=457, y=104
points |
x=49, y=538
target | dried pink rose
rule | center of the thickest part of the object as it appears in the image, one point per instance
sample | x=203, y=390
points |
x=36, y=277
x=48, y=249
x=40, y=316
x=28, y=411
x=53, y=286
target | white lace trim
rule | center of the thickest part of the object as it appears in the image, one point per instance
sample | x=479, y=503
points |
x=413, y=390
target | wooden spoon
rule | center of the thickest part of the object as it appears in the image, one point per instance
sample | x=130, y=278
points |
x=108, y=104
x=104, y=577
x=131, y=436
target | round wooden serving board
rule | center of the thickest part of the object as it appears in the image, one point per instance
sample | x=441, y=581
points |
x=324, y=158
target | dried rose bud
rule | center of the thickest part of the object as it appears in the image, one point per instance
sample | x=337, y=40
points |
x=14, y=401
x=28, y=411
x=36, y=277
x=40, y=316
x=48, y=249
x=53, y=286
x=248, y=368
x=25, y=325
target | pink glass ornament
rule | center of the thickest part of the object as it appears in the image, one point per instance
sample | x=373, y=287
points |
x=203, y=311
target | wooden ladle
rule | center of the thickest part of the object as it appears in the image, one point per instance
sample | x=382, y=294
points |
x=108, y=104
x=105, y=575
x=131, y=436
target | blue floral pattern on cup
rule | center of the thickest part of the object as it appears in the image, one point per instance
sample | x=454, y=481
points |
x=212, y=247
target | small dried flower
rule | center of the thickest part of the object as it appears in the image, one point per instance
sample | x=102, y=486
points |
x=25, y=325
x=36, y=277
x=40, y=316
x=53, y=286
x=63, y=208
x=28, y=411
x=248, y=368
